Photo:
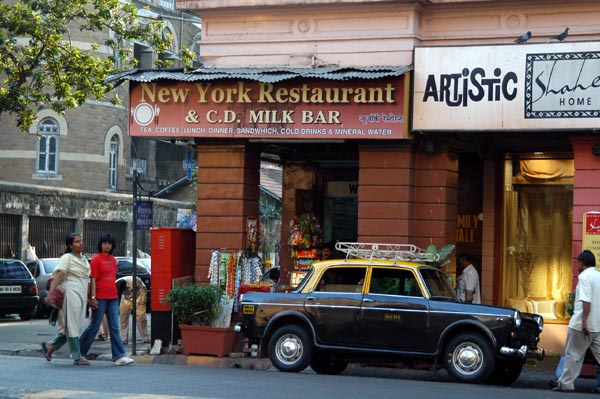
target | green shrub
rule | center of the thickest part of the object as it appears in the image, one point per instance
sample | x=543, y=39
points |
x=195, y=304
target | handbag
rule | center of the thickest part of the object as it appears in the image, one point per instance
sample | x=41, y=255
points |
x=56, y=299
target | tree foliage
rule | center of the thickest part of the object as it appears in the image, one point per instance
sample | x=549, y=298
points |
x=44, y=65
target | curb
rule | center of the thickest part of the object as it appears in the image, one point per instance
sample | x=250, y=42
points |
x=205, y=361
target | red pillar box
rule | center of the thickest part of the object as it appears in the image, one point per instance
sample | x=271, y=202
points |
x=173, y=257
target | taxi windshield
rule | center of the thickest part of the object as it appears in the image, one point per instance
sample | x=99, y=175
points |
x=438, y=283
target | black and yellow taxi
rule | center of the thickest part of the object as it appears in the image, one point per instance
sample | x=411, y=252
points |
x=385, y=304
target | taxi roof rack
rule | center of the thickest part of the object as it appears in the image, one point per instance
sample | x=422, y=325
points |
x=379, y=251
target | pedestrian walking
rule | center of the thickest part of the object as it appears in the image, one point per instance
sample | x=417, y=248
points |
x=104, y=300
x=584, y=327
x=72, y=275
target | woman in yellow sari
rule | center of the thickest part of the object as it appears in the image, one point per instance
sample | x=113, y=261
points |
x=72, y=275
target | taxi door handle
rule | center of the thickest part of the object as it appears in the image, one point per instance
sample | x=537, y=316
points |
x=368, y=300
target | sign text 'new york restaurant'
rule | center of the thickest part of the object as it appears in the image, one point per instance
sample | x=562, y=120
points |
x=299, y=109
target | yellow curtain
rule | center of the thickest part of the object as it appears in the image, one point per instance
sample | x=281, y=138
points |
x=538, y=242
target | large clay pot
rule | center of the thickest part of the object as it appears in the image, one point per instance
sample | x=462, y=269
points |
x=203, y=340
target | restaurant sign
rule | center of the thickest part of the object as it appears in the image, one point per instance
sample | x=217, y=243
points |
x=298, y=109
x=545, y=86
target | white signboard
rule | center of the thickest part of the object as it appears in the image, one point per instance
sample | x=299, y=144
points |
x=549, y=86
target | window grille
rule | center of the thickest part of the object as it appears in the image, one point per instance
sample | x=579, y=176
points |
x=47, y=162
x=113, y=162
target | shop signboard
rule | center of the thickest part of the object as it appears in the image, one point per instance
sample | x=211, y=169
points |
x=591, y=233
x=342, y=189
x=291, y=109
x=539, y=86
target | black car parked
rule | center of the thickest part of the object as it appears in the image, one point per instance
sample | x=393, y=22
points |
x=384, y=304
x=42, y=269
x=18, y=289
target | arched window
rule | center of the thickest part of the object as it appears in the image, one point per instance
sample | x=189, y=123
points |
x=171, y=53
x=47, y=158
x=113, y=162
x=196, y=48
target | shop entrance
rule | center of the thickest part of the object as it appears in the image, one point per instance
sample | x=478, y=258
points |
x=319, y=201
x=340, y=211
x=538, y=215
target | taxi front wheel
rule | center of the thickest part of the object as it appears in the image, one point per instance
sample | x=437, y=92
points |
x=469, y=358
x=290, y=348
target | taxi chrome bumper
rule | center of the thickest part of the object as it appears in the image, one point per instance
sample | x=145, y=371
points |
x=524, y=352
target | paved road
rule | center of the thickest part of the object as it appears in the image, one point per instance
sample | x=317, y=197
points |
x=23, y=338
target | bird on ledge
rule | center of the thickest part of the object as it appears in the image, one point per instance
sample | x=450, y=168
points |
x=561, y=36
x=523, y=38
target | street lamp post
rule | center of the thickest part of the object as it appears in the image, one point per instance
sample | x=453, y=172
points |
x=134, y=256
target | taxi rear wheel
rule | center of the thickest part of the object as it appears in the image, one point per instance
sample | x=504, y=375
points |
x=469, y=358
x=290, y=348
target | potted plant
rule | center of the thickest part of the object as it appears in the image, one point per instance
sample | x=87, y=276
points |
x=196, y=308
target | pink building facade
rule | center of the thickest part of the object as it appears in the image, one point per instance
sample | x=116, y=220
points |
x=501, y=155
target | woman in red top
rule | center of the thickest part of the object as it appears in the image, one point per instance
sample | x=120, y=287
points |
x=103, y=299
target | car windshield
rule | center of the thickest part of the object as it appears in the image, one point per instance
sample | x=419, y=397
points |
x=125, y=267
x=13, y=270
x=146, y=262
x=50, y=264
x=438, y=283
x=304, y=279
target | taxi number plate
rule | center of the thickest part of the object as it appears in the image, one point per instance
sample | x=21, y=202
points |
x=248, y=309
x=10, y=288
x=531, y=361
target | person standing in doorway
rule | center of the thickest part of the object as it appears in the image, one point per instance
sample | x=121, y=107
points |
x=584, y=326
x=72, y=275
x=467, y=283
x=103, y=300
x=125, y=287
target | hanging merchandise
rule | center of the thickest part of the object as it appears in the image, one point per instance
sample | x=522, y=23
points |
x=235, y=272
x=252, y=234
x=251, y=274
x=213, y=268
x=306, y=237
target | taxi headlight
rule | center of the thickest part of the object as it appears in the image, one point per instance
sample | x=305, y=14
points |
x=540, y=321
x=517, y=317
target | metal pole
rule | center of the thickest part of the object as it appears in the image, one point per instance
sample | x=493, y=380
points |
x=134, y=255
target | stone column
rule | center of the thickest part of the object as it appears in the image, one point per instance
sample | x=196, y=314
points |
x=435, y=195
x=586, y=189
x=228, y=192
x=407, y=195
x=385, y=193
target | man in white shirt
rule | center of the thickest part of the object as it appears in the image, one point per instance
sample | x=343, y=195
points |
x=584, y=326
x=467, y=284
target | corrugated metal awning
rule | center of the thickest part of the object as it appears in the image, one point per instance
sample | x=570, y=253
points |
x=272, y=74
